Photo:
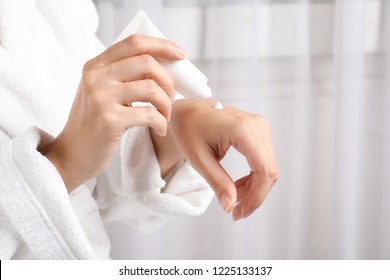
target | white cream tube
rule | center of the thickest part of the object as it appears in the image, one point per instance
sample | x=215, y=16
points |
x=188, y=79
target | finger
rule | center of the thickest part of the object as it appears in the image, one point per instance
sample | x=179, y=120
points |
x=140, y=68
x=242, y=181
x=258, y=151
x=145, y=91
x=139, y=44
x=242, y=193
x=252, y=139
x=210, y=169
x=144, y=116
x=259, y=189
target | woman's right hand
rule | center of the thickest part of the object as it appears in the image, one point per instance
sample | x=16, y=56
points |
x=101, y=113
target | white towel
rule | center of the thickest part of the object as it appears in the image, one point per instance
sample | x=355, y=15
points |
x=43, y=45
x=36, y=203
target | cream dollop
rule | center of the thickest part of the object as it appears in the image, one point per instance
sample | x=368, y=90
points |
x=218, y=106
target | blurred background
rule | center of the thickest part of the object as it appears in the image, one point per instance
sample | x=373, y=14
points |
x=319, y=71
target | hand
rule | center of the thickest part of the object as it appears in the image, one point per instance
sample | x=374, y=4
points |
x=203, y=135
x=102, y=111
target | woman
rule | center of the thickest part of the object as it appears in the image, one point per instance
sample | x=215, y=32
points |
x=76, y=152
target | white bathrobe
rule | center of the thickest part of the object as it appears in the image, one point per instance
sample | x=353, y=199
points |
x=43, y=46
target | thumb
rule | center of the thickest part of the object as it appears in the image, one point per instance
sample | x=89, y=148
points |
x=216, y=176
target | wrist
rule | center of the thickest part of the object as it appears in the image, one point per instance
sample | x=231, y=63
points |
x=52, y=152
x=166, y=152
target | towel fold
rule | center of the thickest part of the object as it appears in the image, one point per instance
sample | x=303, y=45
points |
x=36, y=203
x=135, y=193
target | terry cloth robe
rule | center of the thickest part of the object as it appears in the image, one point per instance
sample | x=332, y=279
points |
x=43, y=46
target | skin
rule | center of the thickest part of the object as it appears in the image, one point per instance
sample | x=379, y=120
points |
x=101, y=113
x=203, y=135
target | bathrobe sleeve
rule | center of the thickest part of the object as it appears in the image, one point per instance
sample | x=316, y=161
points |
x=132, y=190
x=38, y=218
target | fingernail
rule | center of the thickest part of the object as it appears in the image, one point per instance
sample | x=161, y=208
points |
x=225, y=201
x=236, y=216
x=162, y=133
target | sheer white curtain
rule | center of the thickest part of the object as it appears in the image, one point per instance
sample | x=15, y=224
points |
x=320, y=72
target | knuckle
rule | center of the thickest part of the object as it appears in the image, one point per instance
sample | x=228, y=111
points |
x=135, y=41
x=88, y=65
x=253, y=123
x=262, y=121
x=168, y=45
x=93, y=63
x=92, y=81
x=154, y=119
x=220, y=183
x=151, y=114
x=93, y=91
x=271, y=173
x=107, y=120
x=246, y=124
x=242, y=122
x=89, y=80
x=170, y=86
x=151, y=88
x=148, y=60
x=165, y=43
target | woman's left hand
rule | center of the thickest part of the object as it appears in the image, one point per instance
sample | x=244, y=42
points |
x=203, y=135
